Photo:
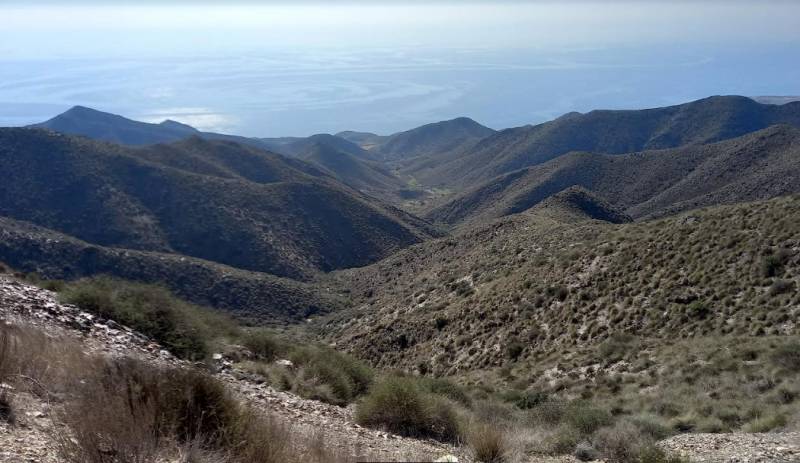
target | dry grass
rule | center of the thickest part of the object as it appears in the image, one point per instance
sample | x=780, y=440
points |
x=126, y=410
x=488, y=442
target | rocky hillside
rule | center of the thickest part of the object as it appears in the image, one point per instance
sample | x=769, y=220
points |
x=34, y=318
x=217, y=201
x=546, y=284
x=760, y=165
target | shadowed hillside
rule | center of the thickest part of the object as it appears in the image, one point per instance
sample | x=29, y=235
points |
x=212, y=200
x=251, y=296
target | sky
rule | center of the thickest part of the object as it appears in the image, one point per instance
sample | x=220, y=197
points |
x=277, y=68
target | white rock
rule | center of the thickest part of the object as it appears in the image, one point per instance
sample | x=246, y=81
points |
x=447, y=459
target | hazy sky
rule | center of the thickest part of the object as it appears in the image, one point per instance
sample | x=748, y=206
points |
x=272, y=68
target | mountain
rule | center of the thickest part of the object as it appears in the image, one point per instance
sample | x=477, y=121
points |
x=252, y=296
x=609, y=132
x=760, y=165
x=558, y=290
x=99, y=125
x=432, y=139
x=301, y=147
x=212, y=200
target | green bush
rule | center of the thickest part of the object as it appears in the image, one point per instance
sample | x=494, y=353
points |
x=400, y=405
x=651, y=426
x=586, y=418
x=186, y=330
x=446, y=388
x=617, y=346
x=787, y=356
x=525, y=400
x=262, y=344
x=767, y=423
x=329, y=375
x=514, y=350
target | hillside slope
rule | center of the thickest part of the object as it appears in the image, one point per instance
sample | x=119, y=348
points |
x=549, y=285
x=212, y=200
x=760, y=165
x=611, y=132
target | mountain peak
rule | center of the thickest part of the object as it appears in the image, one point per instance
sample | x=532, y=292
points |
x=85, y=112
x=177, y=125
x=578, y=202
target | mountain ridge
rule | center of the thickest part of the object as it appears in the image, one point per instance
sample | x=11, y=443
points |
x=645, y=183
x=610, y=132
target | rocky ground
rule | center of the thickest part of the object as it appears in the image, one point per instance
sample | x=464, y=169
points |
x=31, y=439
x=737, y=447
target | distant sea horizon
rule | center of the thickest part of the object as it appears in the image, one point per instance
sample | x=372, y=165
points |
x=299, y=70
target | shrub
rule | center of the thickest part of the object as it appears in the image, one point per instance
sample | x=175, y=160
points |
x=50, y=285
x=524, y=400
x=549, y=412
x=331, y=376
x=767, y=423
x=698, y=310
x=6, y=354
x=651, y=426
x=772, y=265
x=185, y=329
x=621, y=443
x=586, y=418
x=6, y=408
x=514, y=350
x=446, y=388
x=488, y=442
x=563, y=440
x=262, y=344
x=142, y=406
x=780, y=287
x=401, y=406
x=787, y=356
x=617, y=346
